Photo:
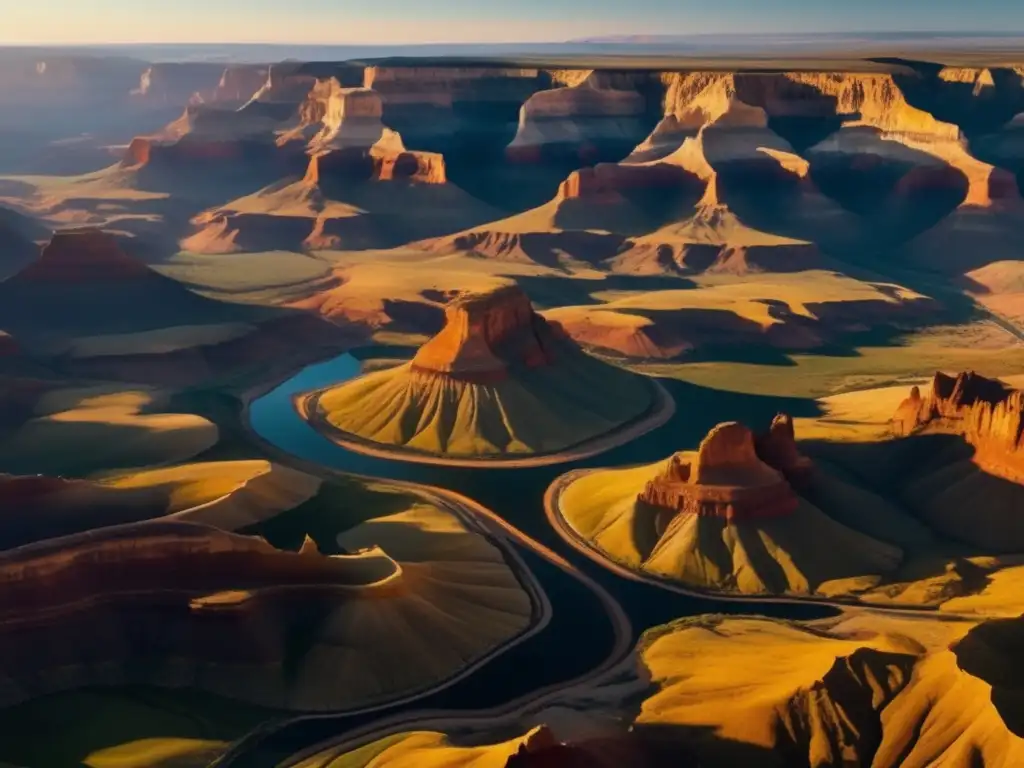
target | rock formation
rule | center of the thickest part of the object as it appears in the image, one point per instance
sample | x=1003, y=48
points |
x=726, y=479
x=734, y=475
x=986, y=412
x=497, y=383
x=238, y=84
x=582, y=121
x=219, y=585
x=176, y=83
x=486, y=335
x=346, y=139
x=75, y=255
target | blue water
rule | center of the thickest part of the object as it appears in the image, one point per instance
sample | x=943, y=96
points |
x=580, y=635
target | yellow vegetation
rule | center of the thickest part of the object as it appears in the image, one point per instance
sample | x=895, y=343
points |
x=104, y=427
x=535, y=411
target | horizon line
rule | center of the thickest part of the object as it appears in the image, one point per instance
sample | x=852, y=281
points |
x=607, y=39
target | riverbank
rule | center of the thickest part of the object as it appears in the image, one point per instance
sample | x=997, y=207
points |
x=662, y=409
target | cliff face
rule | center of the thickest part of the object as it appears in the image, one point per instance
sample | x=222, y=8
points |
x=582, y=121
x=346, y=139
x=176, y=83
x=486, y=335
x=733, y=475
x=191, y=594
x=75, y=255
x=237, y=84
x=987, y=413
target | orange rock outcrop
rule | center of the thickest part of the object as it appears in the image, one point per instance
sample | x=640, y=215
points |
x=369, y=164
x=986, y=412
x=485, y=335
x=73, y=255
x=605, y=182
x=733, y=476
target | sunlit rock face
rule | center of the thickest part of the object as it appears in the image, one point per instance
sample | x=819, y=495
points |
x=733, y=475
x=986, y=412
x=485, y=335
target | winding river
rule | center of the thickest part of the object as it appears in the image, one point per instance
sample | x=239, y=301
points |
x=582, y=634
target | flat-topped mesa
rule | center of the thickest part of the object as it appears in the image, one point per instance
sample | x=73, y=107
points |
x=334, y=117
x=725, y=479
x=986, y=412
x=580, y=121
x=444, y=86
x=485, y=335
x=74, y=255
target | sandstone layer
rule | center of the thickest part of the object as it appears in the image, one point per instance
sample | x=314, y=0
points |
x=987, y=413
x=725, y=479
x=485, y=336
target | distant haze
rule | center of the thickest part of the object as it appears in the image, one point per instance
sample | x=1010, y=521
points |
x=76, y=22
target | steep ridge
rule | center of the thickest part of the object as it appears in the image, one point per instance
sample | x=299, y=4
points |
x=465, y=113
x=982, y=457
x=96, y=311
x=727, y=517
x=354, y=195
x=176, y=83
x=83, y=283
x=243, y=610
x=361, y=187
x=237, y=85
x=792, y=695
x=241, y=137
x=497, y=383
x=227, y=495
x=722, y=691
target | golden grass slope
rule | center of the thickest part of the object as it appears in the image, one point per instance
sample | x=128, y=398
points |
x=795, y=311
x=819, y=698
x=75, y=430
x=536, y=411
x=796, y=554
x=458, y=601
x=423, y=749
x=230, y=495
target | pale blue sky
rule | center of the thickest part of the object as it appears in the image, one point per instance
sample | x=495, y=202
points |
x=402, y=21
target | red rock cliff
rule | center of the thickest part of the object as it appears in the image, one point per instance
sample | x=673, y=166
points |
x=986, y=412
x=733, y=475
x=73, y=255
x=485, y=335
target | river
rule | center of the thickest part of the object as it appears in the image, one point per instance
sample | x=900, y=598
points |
x=581, y=634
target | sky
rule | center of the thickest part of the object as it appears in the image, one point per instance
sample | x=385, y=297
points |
x=484, y=21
